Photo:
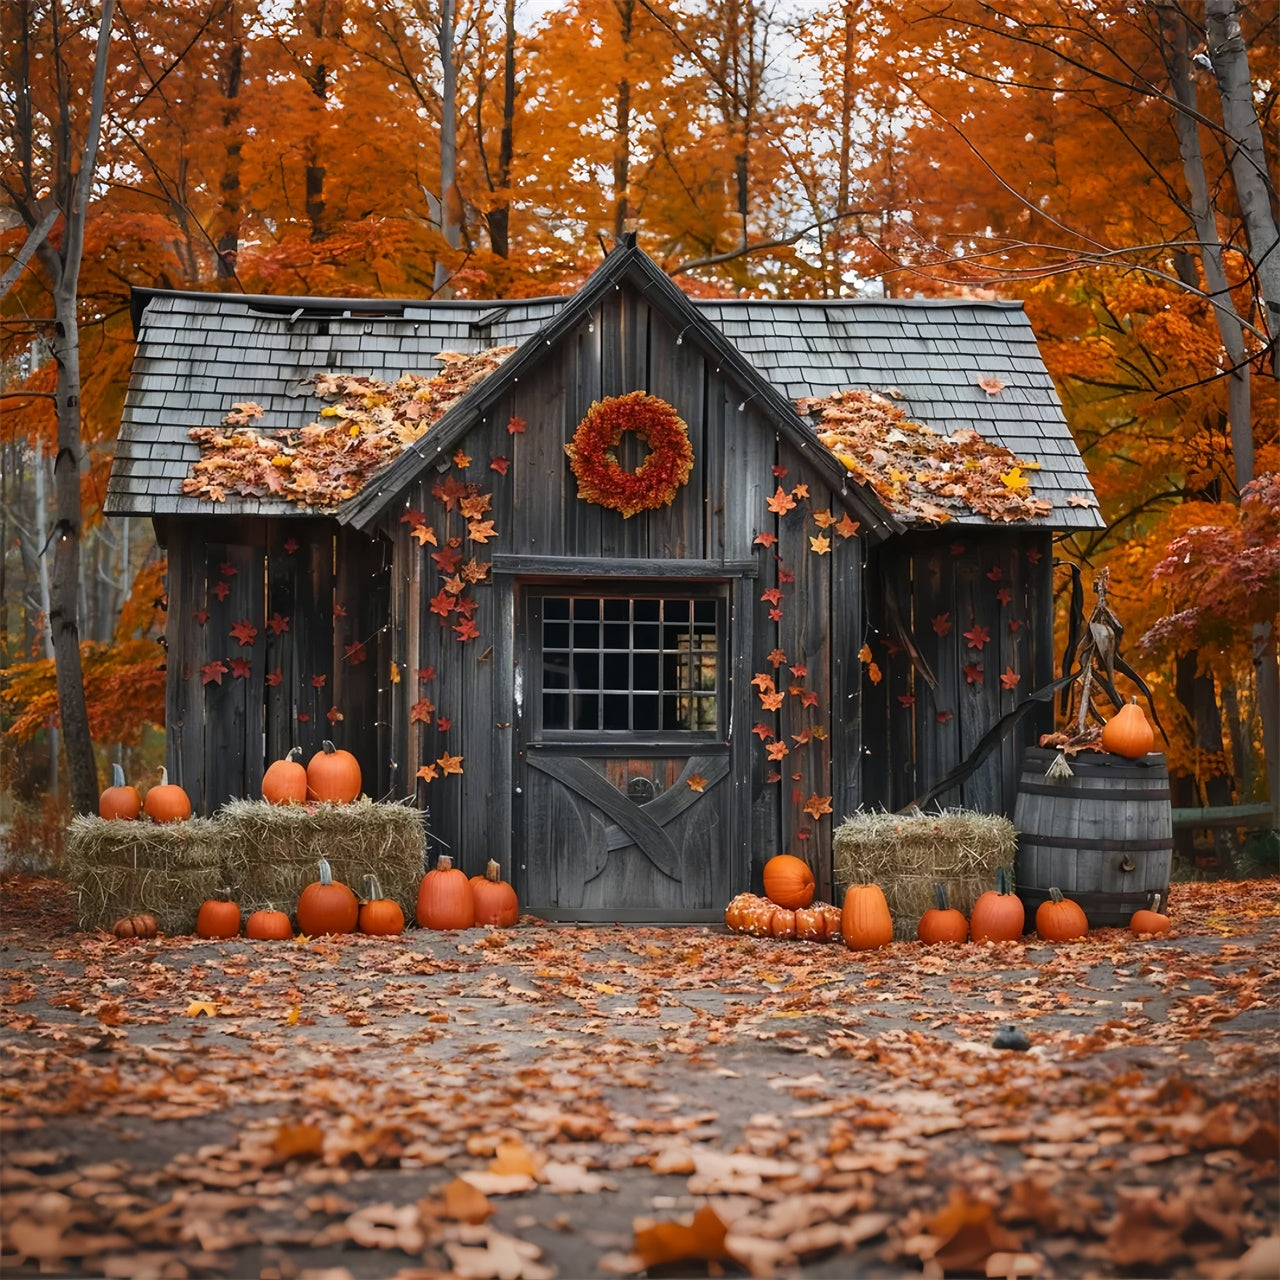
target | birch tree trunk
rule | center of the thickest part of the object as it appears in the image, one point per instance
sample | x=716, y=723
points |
x=450, y=201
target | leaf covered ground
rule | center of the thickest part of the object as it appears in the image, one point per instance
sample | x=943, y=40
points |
x=563, y=1101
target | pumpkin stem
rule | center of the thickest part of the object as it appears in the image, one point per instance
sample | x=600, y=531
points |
x=1055, y=894
x=493, y=872
x=326, y=872
x=294, y=753
x=1002, y=880
x=164, y=777
x=327, y=747
x=444, y=862
x=117, y=775
x=1155, y=897
x=372, y=887
x=940, y=896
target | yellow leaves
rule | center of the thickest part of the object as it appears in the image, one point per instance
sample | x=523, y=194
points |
x=197, y=1007
x=821, y=544
x=297, y=1141
x=1014, y=479
x=697, y=782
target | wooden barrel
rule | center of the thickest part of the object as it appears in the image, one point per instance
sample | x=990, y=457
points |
x=1104, y=836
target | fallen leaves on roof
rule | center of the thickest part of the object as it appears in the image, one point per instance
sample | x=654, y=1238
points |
x=916, y=472
x=366, y=424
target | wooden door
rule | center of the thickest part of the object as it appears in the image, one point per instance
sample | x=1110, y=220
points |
x=626, y=808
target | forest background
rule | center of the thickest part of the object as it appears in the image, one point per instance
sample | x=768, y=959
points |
x=1112, y=166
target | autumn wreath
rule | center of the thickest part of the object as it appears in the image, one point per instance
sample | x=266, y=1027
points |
x=654, y=483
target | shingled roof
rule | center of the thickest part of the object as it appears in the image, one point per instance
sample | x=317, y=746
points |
x=198, y=353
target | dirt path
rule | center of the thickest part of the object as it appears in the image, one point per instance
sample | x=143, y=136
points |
x=510, y=1104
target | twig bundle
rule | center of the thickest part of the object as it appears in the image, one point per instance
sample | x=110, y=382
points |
x=118, y=868
x=907, y=854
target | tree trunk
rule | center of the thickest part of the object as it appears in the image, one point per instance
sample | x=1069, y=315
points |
x=227, y=228
x=622, y=128
x=499, y=218
x=314, y=174
x=450, y=200
x=1198, y=695
x=1246, y=153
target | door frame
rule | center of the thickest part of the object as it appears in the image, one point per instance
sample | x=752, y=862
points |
x=516, y=576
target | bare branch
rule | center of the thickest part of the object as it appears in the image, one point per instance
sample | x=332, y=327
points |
x=35, y=238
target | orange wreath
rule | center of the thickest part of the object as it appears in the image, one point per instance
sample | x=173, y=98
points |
x=655, y=482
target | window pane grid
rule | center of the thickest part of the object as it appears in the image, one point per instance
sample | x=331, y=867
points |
x=637, y=665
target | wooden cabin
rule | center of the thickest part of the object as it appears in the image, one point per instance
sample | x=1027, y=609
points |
x=629, y=711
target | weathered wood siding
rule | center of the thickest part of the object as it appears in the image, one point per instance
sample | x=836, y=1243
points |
x=315, y=598
x=940, y=593
x=542, y=529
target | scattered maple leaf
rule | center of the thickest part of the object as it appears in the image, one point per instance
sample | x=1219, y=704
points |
x=772, y=594
x=426, y=674
x=297, y=1141
x=993, y=386
x=995, y=573
x=765, y=539
x=977, y=637
x=864, y=654
x=817, y=805
x=943, y=716
x=874, y=673
x=1014, y=479
x=447, y=559
x=466, y=629
x=515, y=426
x=779, y=471
x=800, y=491
x=212, y=672
x=823, y=519
x=973, y=673
x=1009, y=678
x=781, y=502
x=846, y=527
x=333, y=715
x=241, y=668
x=424, y=534
x=474, y=505
x=809, y=698
x=799, y=670
x=222, y=590
x=776, y=750
x=461, y=460
x=773, y=776
x=428, y=773
x=274, y=677
x=449, y=764
x=1081, y=500
x=420, y=712
x=499, y=464
x=481, y=530
x=278, y=624
x=339, y=611
x=290, y=546
x=762, y=731
x=775, y=658
x=784, y=574
x=355, y=652
x=197, y=1007
x=441, y=603
x=771, y=701
x=444, y=724
x=1034, y=556
x=775, y=615
x=455, y=586
x=413, y=516
x=393, y=673
x=1015, y=624
x=200, y=615
x=821, y=544
x=227, y=569
x=763, y=681
x=319, y=682
x=1004, y=595
x=907, y=699
x=697, y=782
x=702, y=1240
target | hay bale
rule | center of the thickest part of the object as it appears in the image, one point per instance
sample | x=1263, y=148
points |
x=119, y=867
x=272, y=850
x=907, y=854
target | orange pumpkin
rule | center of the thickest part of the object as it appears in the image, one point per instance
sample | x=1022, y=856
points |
x=166, y=801
x=379, y=915
x=119, y=800
x=782, y=924
x=811, y=923
x=750, y=913
x=139, y=926
x=1150, y=919
x=942, y=922
x=865, y=922
x=1127, y=733
x=268, y=925
x=285, y=781
x=445, y=898
x=998, y=915
x=333, y=775
x=735, y=912
x=327, y=905
x=218, y=917
x=788, y=881
x=496, y=901
x=1060, y=919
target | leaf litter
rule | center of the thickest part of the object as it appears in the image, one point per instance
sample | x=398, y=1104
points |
x=615, y=1100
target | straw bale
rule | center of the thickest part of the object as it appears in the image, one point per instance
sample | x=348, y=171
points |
x=907, y=854
x=118, y=867
x=272, y=850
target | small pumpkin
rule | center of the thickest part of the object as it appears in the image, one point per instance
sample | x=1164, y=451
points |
x=268, y=925
x=811, y=923
x=749, y=913
x=788, y=881
x=865, y=922
x=119, y=800
x=496, y=901
x=942, y=922
x=735, y=913
x=333, y=775
x=1128, y=733
x=1060, y=919
x=139, y=926
x=327, y=905
x=1150, y=919
x=218, y=917
x=379, y=915
x=166, y=801
x=782, y=924
x=445, y=897
x=834, y=915
x=998, y=915
x=285, y=781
